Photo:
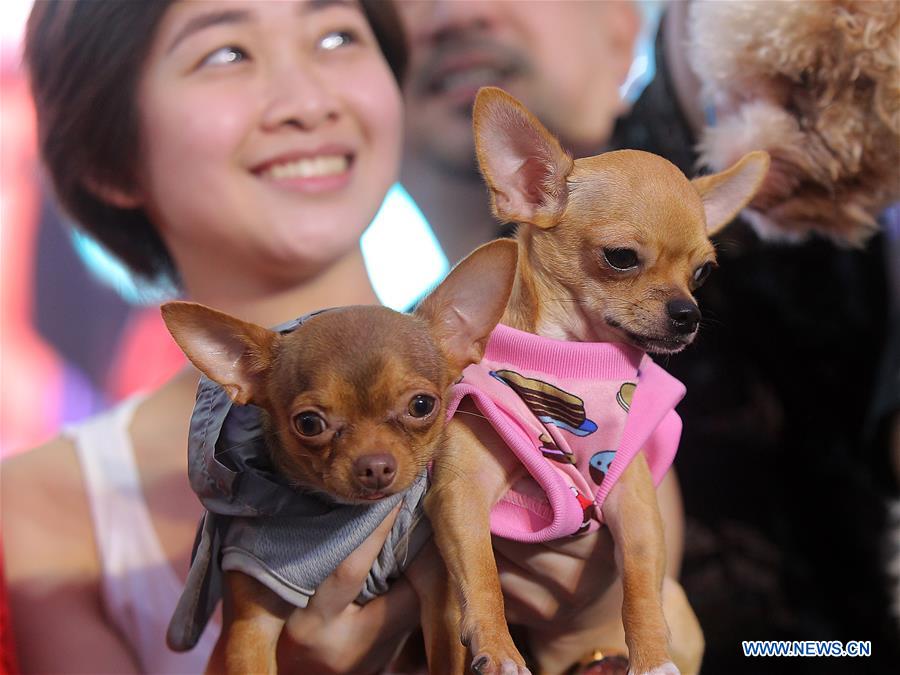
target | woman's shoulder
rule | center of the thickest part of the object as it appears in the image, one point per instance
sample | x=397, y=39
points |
x=52, y=466
x=51, y=563
x=45, y=486
x=46, y=522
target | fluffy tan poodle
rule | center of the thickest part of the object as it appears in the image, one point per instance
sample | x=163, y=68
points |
x=817, y=85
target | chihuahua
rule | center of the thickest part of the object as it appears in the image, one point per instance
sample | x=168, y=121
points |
x=611, y=249
x=354, y=410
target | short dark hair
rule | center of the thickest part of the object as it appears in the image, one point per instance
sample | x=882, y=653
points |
x=84, y=59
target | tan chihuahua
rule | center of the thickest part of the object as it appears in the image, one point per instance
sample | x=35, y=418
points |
x=611, y=249
x=354, y=407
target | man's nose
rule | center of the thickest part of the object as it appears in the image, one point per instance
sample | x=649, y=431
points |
x=440, y=20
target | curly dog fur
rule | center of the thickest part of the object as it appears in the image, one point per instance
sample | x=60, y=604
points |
x=817, y=85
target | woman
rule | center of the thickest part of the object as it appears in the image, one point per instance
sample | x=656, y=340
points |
x=237, y=150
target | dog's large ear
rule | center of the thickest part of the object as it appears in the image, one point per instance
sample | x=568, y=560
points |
x=233, y=353
x=467, y=305
x=524, y=166
x=725, y=193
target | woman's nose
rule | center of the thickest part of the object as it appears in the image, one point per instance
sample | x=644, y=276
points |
x=299, y=97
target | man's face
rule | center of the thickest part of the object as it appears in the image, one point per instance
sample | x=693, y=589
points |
x=565, y=59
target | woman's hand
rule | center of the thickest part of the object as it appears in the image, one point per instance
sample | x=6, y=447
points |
x=335, y=635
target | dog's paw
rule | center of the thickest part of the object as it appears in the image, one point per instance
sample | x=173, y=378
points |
x=483, y=664
x=668, y=668
x=493, y=648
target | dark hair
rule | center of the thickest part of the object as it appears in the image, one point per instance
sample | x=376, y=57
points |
x=85, y=60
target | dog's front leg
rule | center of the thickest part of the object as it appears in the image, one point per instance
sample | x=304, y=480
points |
x=252, y=619
x=467, y=481
x=632, y=514
x=440, y=612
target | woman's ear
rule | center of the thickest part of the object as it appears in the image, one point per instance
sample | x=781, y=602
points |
x=120, y=198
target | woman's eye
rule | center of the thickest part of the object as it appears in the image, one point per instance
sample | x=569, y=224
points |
x=337, y=39
x=309, y=424
x=621, y=259
x=224, y=56
x=701, y=274
x=421, y=406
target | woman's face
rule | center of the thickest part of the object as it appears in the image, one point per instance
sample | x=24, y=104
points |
x=270, y=132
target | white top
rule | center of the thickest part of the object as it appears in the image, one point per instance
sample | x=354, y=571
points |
x=139, y=586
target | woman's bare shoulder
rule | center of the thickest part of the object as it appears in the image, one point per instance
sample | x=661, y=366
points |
x=45, y=511
x=33, y=461
x=55, y=468
x=51, y=565
x=46, y=515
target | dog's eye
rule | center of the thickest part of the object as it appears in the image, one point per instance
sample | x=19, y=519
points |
x=421, y=405
x=621, y=259
x=701, y=274
x=309, y=424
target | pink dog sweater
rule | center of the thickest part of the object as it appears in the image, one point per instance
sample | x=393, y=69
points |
x=575, y=414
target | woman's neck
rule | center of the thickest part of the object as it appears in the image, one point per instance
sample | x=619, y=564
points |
x=271, y=302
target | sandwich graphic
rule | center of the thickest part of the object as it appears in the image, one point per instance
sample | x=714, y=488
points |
x=550, y=404
x=551, y=450
x=626, y=393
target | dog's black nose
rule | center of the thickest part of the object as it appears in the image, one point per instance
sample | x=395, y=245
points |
x=685, y=316
x=375, y=472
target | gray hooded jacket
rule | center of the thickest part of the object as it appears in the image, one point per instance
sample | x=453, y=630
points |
x=257, y=524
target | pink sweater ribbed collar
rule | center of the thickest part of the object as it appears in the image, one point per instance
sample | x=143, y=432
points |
x=566, y=359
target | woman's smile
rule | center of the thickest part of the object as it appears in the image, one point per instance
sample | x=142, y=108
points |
x=326, y=169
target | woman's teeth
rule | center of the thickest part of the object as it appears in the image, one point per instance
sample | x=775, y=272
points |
x=312, y=167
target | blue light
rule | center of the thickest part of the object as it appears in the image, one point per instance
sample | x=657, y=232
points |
x=107, y=268
x=643, y=67
x=403, y=257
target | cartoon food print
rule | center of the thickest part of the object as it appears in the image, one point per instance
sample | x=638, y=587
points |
x=599, y=465
x=550, y=404
x=551, y=450
x=626, y=393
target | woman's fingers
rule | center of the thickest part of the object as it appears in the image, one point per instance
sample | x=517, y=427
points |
x=333, y=634
x=360, y=639
x=527, y=601
x=543, y=583
x=343, y=585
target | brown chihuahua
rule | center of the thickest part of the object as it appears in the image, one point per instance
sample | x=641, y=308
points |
x=611, y=249
x=354, y=408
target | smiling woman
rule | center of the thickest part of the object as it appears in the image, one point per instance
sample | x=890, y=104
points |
x=291, y=195
x=237, y=149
